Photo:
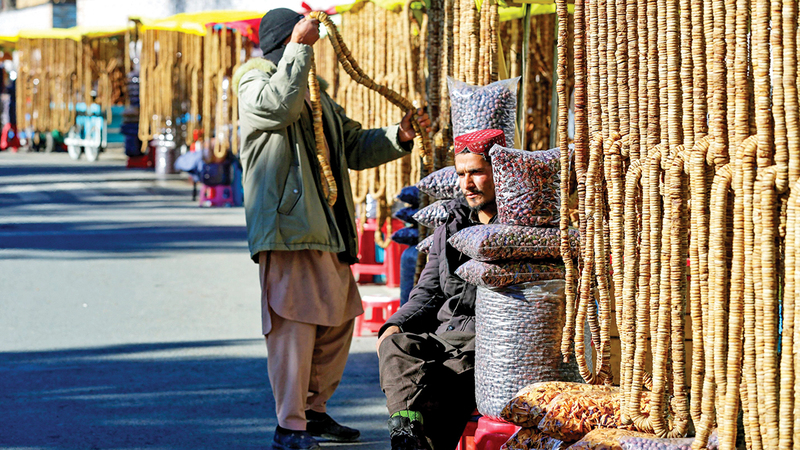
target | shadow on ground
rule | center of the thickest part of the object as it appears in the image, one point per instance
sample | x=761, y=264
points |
x=121, y=237
x=159, y=396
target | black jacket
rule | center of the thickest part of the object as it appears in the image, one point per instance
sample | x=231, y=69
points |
x=441, y=301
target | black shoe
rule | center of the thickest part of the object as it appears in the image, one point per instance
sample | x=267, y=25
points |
x=406, y=434
x=322, y=425
x=293, y=440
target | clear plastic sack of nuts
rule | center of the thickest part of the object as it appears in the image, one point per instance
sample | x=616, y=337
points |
x=432, y=216
x=649, y=442
x=475, y=108
x=442, y=184
x=497, y=242
x=527, y=186
x=518, y=341
x=532, y=439
x=502, y=274
x=425, y=245
x=529, y=405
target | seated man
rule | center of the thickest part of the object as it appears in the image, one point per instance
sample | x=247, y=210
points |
x=427, y=348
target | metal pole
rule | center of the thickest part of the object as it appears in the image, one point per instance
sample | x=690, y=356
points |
x=522, y=109
x=554, y=97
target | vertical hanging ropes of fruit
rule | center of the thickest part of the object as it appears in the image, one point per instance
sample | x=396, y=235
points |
x=581, y=141
x=328, y=182
x=563, y=141
x=351, y=67
x=674, y=102
x=653, y=109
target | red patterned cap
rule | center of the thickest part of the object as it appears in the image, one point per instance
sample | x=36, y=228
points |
x=479, y=142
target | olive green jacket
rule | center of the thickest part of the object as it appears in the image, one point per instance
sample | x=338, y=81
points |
x=284, y=204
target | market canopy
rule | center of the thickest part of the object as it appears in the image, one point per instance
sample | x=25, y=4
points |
x=74, y=33
x=195, y=23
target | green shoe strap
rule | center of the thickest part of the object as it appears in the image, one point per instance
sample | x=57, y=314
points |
x=411, y=415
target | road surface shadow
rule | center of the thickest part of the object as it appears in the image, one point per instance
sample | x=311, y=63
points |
x=192, y=395
x=121, y=237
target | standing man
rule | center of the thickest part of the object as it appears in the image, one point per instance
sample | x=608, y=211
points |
x=304, y=247
x=426, y=350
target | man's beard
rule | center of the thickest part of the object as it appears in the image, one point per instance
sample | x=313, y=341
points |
x=481, y=206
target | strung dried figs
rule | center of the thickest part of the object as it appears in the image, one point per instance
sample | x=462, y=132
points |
x=406, y=236
x=475, y=108
x=514, y=272
x=442, y=184
x=527, y=186
x=425, y=245
x=497, y=242
x=432, y=216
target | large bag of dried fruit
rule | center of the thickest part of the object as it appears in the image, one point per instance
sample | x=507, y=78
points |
x=475, y=108
x=497, y=242
x=574, y=413
x=532, y=439
x=442, y=184
x=527, y=186
x=571, y=415
x=517, y=341
x=433, y=215
x=529, y=405
x=502, y=274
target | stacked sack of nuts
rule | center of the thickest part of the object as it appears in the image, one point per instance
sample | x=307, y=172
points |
x=441, y=186
x=473, y=108
x=516, y=263
x=580, y=416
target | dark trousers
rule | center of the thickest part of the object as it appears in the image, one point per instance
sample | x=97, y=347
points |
x=435, y=375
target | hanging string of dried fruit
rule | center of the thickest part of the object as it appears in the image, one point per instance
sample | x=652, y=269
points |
x=741, y=239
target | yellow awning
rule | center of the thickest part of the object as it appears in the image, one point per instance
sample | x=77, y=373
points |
x=52, y=33
x=195, y=23
x=74, y=33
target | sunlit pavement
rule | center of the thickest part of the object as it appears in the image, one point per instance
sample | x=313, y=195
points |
x=130, y=317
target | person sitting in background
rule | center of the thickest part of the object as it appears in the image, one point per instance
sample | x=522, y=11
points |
x=426, y=349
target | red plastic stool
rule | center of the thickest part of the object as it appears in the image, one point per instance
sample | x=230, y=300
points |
x=367, y=265
x=146, y=161
x=211, y=196
x=491, y=434
x=467, y=441
x=377, y=311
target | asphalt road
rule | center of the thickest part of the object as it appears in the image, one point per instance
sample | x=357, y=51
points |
x=130, y=317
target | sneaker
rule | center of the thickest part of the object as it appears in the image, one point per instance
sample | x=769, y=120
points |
x=406, y=434
x=293, y=440
x=322, y=425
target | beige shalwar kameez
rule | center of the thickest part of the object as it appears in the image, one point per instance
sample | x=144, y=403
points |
x=308, y=302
